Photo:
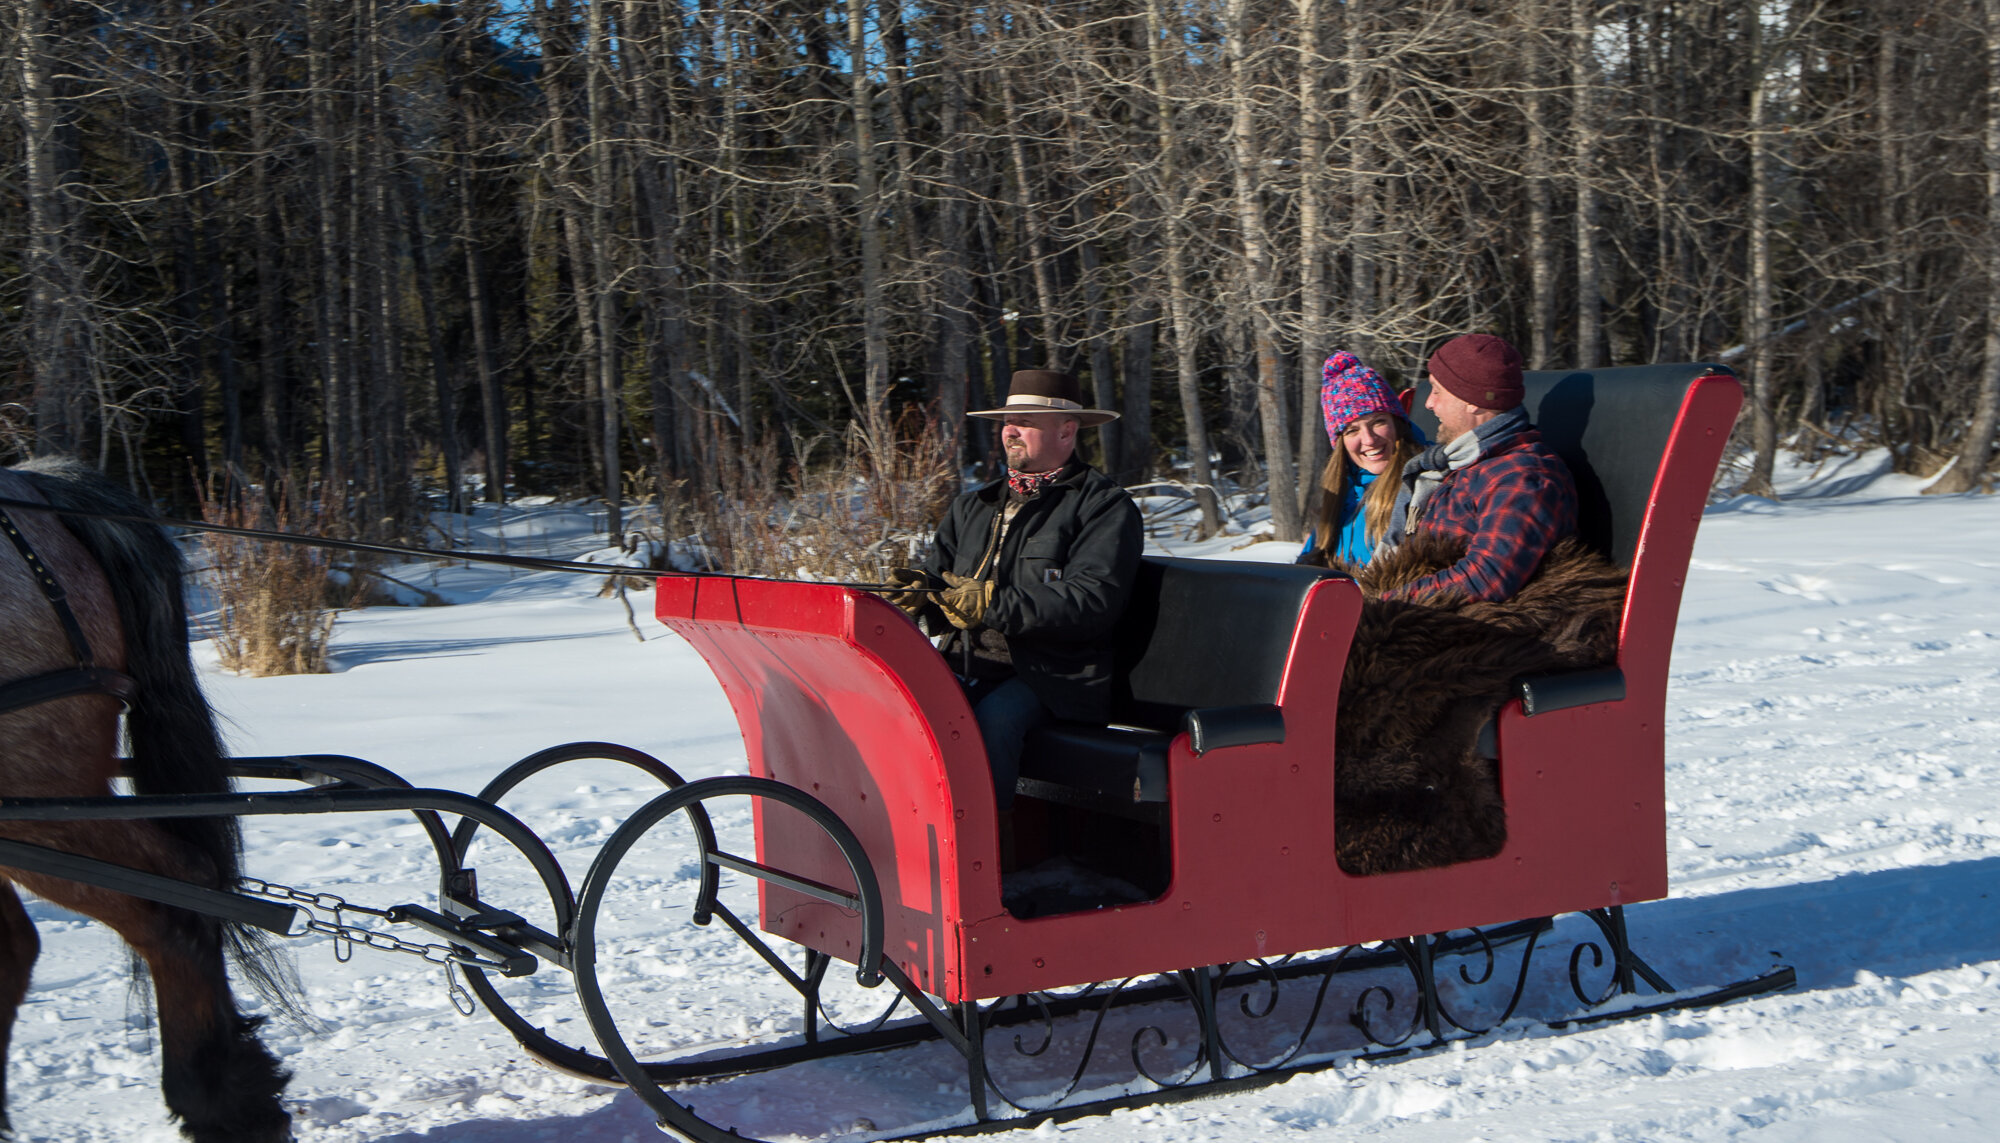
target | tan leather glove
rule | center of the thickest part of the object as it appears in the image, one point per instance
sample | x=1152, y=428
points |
x=966, y=600
x=909, y=600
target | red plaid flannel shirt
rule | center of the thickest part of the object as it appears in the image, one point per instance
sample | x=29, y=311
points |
x=1510, y=507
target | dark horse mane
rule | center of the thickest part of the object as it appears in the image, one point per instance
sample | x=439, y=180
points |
x=173, y=742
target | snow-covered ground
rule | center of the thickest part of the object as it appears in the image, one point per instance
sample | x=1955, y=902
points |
x=1833, y=752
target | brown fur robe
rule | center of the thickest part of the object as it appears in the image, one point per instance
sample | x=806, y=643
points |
x=1423, y=677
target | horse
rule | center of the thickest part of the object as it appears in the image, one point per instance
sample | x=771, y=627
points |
x=103, y=618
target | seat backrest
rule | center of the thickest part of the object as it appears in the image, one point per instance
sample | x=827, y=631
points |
x=1203, y=633
x=1611, y=426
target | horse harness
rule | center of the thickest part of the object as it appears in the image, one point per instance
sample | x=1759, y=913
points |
x=86, y=678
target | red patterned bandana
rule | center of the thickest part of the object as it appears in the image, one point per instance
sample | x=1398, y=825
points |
x=1030, y=484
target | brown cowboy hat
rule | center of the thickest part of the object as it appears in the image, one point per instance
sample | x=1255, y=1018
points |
x=1045, y=391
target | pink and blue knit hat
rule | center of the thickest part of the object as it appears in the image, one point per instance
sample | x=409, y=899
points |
x=1350, y=391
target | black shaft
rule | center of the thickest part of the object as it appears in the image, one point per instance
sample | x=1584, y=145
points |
x=269, y=915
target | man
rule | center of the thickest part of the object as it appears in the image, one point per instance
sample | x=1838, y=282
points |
x=1489, y=480
x=1036, y=569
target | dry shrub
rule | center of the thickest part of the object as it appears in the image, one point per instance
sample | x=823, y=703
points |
x=275, y=602
x=866, y=507
x=17, y=435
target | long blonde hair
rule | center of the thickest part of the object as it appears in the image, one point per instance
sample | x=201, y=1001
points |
x=1376, y=503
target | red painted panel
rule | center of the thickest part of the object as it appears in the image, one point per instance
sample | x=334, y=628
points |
x=1666, y=539
x=839, y=694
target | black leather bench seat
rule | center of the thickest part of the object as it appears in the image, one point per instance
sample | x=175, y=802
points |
x=1095, y=765
x=1197, y=635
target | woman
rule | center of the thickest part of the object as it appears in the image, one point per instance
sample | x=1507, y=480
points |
x=1372, y=436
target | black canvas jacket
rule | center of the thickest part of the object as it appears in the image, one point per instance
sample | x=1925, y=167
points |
x=1064, y=573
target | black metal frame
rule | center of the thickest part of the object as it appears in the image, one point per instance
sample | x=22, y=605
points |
x=865, y=898
x=492, y=940
x=1436, y=1016
x=578, y=1061
x=340, y=784
x=1215, y=1065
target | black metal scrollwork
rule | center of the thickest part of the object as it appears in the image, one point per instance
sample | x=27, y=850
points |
x=1576, y=975
x=1628, y=968
x=1273, y=978
x=1490, y=963
x=1045, y=1009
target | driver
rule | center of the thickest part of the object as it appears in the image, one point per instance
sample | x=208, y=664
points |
x=1035, y=571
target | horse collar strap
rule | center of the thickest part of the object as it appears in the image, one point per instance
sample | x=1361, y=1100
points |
x=46, y=580
x=84, y=678
x=62, y=684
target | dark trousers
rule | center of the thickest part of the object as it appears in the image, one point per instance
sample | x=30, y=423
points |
x=1006, y=710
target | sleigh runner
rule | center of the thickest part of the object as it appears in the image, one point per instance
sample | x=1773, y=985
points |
x=874, y=843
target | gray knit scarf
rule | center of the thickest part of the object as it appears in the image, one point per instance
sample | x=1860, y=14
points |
x=1424, y=473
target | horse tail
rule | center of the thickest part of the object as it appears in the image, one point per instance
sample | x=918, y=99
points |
x=170, y=731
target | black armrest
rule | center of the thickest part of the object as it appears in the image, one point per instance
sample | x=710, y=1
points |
x=1544, y=693
x=1217, y=726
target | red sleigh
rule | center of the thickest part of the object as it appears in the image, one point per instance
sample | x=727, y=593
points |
x=1228, y=677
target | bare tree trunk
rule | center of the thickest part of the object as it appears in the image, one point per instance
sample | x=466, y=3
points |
x=1899, y=343
x=1248, y=172
x=356, y=324
x=1136, y=381
x=447, y=403
x=221, y=338
x=330, y=326
x=190, y=400
x=1000, y=359
x=1968, y=470
x=1584, y=133
x=1671, y=280
x=659, y=188
x=389, y=402
x=605, y=315
x=734, y=252
x=1364, y=215
x=576, y=245
x=1140, y=321
x=1541, y=209
x=868, y=201
x=273, y=408
x=1103, y=380
x=1180, y=302
x=1763, y=424
x=58, y=331
x=955, y=284
x=492, y=394
x=478, y=298
x=1038, y=253
x=1313, y=445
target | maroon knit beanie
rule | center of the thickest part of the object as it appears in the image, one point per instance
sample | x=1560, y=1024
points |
x=1479, y=369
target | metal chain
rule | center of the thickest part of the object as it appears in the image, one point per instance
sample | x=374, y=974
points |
x=345, y=936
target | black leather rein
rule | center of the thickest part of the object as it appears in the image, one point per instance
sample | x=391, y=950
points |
x=529, y=563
